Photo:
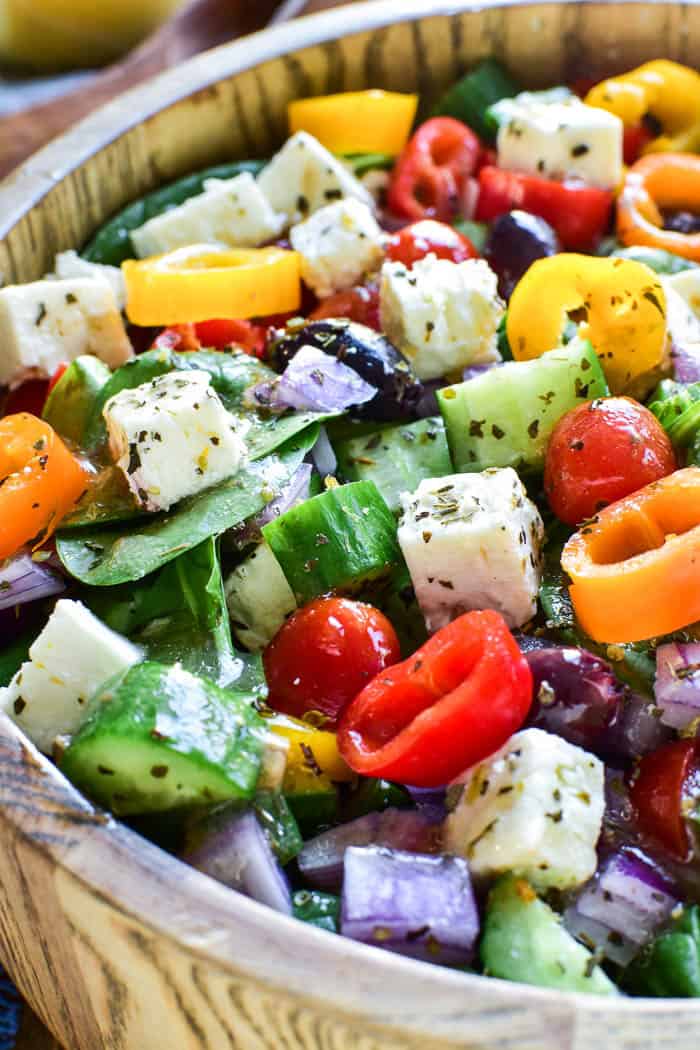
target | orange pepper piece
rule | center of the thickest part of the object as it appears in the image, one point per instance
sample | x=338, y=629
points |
x=635, y=568
x=660, y=181
x=40, y=480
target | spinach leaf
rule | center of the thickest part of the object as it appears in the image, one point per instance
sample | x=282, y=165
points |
x=70, y=405
x=13, y=656
x=104, y=557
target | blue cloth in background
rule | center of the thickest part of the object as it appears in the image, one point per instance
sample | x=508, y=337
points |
x=11, y=1007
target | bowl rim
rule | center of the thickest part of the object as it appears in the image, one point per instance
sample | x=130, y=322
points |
x=196, y=900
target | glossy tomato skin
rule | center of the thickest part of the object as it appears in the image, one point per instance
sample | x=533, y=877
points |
x=600, y=452
x=427, y=237
x=325, y=655
x=663, y=781
x=360, y=304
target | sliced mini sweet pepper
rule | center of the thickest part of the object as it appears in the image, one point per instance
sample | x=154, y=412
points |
x=655, y=183
x=40, y=480
x=198, y=282
x=619, y=303
x=312, y=751
x=455, y=701
x=635, y=567
x=664, y=90
x=356, y=121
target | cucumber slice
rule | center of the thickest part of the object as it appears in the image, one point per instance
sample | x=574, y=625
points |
x=259, y=599
x=158, y=738
x=338, y=541
x=318, y=909
x=525, y=941
x=397, y=459
x=505, y=417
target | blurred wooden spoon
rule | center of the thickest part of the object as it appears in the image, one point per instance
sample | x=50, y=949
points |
x=199, y=25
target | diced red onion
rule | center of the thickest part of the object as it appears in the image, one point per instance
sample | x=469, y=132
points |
x=677, y=684
x=323, y=456
x=239, y=855
x=321, y=860
x=414, y=904
x=314, y=381
x=622, y=907
x=686, y=362
x=295, y=491
x=472, y=371
x=24, y=580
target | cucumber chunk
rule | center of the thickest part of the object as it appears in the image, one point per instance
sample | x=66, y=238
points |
x=525, y=941
x=397, y=459
x=318, y=909
x=259, y=599
x=338, y=541
x=158, y=738
x=505, y=417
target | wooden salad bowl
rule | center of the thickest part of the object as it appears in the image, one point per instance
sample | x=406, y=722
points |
x=116, y=945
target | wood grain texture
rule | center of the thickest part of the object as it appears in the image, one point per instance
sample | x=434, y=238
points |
x=116, y=945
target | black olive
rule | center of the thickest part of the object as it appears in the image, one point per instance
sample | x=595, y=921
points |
x=517, y=239
x=368, y=353
x=682, y=222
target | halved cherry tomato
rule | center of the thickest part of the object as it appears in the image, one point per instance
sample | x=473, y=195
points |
x=429, y=237
x=39, y=481
x=454, y=702
x=431, y=175
x=29, y=397
x=664, y=781
x=222, y=333
x=324, y=656
x=634, y=140
x=601, y=452
x=359, y=304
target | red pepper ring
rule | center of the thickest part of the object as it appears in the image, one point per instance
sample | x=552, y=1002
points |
x=458, y=699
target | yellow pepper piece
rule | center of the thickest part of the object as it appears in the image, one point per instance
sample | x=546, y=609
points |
x=201, y=283
x=620, y=304
x=310, y=750
x=664, y=90
x=356, y=121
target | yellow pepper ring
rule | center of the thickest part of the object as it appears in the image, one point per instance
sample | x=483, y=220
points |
x=664, y=181
x=357, y=121
x=200, y=283
x=621, y=303
x=665, y=90
x=309, y=747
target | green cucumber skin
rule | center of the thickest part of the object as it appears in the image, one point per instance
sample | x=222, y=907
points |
x=504, y=418
x=314, y=811
x=112, y=242
x=397, y=459
x=71, y=403
x=318, y=909
x=670, y=966
x=338, y=541
x=157, y=738
x=470, y=98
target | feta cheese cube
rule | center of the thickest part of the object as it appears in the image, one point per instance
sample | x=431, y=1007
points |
x=259, y=598
x=70, y=264
x=172, y=438
x=234, y=212
x=682, y=321
x=534, y=808
x=338, y=245
x=566, y=139
x=74, y=654
x=442, y=315
x=46, y=322
x=304, y=177
x=473, y=541
x=687, y=285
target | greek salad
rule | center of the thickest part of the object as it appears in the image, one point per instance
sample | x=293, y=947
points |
x=350, y=524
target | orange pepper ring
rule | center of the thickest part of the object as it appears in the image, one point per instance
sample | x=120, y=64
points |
x=657, y=181
x=635, y=569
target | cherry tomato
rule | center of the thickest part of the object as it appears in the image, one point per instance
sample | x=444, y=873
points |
x=29, y=397
x=429, y=237
x=359, y=304
x=664, y=781
x=600, y=452
x=325, y=654
x=57, y=376
x=222, y=333
x=432, y=174
x=634, y=141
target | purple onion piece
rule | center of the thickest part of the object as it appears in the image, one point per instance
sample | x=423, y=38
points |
x=414, y=904
x=472, y=371
x=321, y=859
x=239, y=855
x=622, y=907
x=686, y=362
x=323, y=456
x=295, y=491
x=677, y=684
x=24, y=580
x=315, y=381
x=432, y=799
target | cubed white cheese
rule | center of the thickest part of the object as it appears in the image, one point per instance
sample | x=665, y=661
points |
x=46, y=322
x=70, y=264
x=259, y=598
x=682, y=317
x=234, y=212
x=442, y=315
x=338, y=245
x=687, y=285
x=473, y=541
x=566, y=139
x=172, y=438
x=304, y=177
x=74, y=654
x=534, y=808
